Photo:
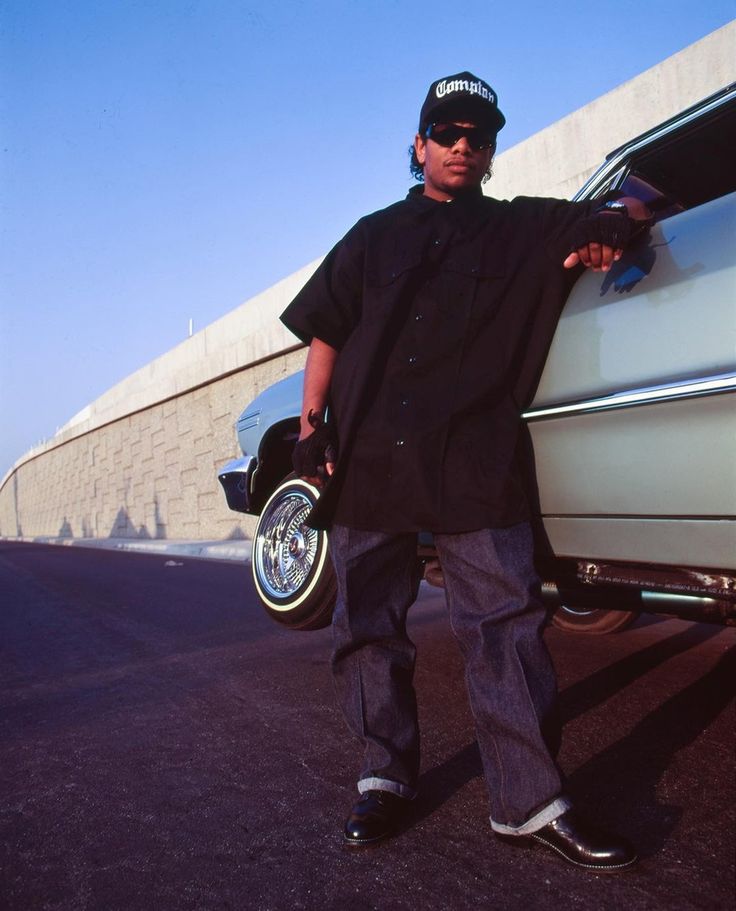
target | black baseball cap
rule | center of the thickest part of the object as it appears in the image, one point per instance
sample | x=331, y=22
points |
x=459, y=96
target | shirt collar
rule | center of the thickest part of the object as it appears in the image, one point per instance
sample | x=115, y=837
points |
x=469, y=199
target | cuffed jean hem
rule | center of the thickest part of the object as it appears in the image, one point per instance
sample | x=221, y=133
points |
x=385, y=784
x=551, y=812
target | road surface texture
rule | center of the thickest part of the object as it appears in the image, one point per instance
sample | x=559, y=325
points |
x=166, y=746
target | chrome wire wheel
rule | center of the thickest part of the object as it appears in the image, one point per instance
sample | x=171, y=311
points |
x=292, y=574
x=286, y=548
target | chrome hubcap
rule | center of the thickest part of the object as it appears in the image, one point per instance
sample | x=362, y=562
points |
x=285, y=548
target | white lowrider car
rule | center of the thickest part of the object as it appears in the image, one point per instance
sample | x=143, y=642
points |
x=633, y=423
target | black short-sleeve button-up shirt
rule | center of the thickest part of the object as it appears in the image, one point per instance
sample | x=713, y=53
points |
x=442, y=314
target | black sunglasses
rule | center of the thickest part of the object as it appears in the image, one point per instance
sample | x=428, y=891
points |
x=447, y=134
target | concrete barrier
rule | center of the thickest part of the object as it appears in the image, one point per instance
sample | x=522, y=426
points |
x=148, y=475
x=140, y=462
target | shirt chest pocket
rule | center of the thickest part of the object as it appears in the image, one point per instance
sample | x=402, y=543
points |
x=388, y=272
x=472, y=283
x=390, y=281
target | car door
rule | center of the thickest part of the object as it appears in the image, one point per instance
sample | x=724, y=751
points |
x=634, y=420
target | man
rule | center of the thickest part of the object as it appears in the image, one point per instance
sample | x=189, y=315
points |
x=428, y=325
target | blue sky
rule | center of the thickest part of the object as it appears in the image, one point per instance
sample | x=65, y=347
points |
x=163, y=160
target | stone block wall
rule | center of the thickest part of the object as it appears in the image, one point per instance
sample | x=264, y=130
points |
x=151, y=474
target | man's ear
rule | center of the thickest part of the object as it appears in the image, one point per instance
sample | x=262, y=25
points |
x=420, y=147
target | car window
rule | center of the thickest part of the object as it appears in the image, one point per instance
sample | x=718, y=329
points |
x=685, y=168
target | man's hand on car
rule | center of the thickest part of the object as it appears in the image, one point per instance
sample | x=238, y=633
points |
x=599, y=240
x=598, y=257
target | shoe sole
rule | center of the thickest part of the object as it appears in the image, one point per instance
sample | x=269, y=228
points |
x=534, y=841
x=366, y=842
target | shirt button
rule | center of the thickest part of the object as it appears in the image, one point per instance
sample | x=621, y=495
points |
x=412, y=360
x=419, y=317
x=399, y=442
x=405, y=402
x=437, y=241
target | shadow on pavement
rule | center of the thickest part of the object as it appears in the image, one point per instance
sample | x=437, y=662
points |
x=632, y=767
x=601, y=685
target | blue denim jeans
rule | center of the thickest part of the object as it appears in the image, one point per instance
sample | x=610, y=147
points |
x=496, y=615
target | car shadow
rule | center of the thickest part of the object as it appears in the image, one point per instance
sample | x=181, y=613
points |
x=599, y=686
x=633, y=766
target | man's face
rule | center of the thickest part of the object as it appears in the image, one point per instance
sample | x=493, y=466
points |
x=451, y=170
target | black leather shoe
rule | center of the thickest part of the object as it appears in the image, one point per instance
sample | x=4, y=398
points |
x=376, y=815
x=580, y=843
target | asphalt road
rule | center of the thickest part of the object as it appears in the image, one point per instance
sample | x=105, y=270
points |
x=166, y=746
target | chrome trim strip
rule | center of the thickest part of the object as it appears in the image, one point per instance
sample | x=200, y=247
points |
x=249, y=420
x=639, y=517
x=652, y=395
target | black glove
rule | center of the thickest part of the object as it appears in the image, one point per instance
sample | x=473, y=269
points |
x=612, y=229
x=311, y=453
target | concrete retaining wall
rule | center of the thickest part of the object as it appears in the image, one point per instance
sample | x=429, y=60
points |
x=141, y=461
x=149, y=475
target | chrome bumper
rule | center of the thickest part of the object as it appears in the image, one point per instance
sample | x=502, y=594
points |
x=235, y=478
